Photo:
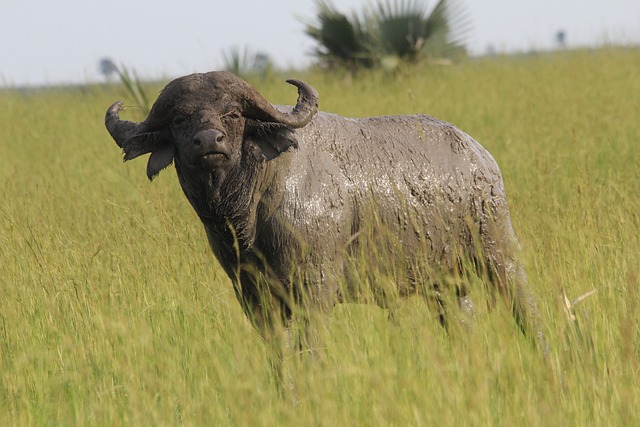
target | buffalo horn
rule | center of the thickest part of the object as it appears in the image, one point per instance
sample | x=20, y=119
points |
x=306, y=106
x=120, y=130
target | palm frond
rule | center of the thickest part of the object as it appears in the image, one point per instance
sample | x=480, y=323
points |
x=446, y=29
x=339, y=38
x=400, y=27
x=133, y=86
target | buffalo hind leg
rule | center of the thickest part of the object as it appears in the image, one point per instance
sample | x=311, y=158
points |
x=507, y=274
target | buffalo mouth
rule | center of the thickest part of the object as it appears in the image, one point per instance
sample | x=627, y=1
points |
x=212, y=159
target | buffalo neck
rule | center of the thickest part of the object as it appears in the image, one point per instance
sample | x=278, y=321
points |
x=226, y=203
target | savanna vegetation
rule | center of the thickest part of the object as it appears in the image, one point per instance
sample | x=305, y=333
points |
x=387, y=34
x=113, y=311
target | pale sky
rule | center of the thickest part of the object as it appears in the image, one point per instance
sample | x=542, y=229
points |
x=62, y=41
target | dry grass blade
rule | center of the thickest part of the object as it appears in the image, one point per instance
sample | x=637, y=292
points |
x=569, y=305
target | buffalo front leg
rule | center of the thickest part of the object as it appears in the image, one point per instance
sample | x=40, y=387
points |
x=270, y=316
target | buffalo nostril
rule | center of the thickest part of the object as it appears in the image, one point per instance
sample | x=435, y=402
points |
x=209, y=138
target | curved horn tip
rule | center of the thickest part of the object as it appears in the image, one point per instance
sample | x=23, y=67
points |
x=116, y=107
x=303, y=86
x=120, y=130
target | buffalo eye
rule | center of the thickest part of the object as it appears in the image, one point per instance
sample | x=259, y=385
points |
x=232, y=113
x=179, y=120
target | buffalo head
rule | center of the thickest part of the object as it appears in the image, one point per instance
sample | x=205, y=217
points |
x=207, y=122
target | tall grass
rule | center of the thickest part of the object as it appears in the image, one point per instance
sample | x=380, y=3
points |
x=113, y=311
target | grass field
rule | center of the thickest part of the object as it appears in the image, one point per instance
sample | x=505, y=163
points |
x=113, y=311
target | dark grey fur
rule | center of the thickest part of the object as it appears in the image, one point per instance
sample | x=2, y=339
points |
x=287, y=194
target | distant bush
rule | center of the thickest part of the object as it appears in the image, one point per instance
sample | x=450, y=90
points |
x=244, y=62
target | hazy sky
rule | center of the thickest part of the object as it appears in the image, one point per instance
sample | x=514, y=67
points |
x=61, y=41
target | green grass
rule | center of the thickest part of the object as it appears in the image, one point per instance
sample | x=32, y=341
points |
x=113, y=311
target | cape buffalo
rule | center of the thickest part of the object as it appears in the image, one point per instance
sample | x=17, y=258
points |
x=289, y=197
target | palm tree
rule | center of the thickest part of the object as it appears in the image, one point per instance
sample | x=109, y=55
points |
x=389, y=33
x=341, y=41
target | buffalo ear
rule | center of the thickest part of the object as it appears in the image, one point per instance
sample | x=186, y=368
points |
x=268, y=140
x=160, y=159
x=143, y=143
x=159, y=144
